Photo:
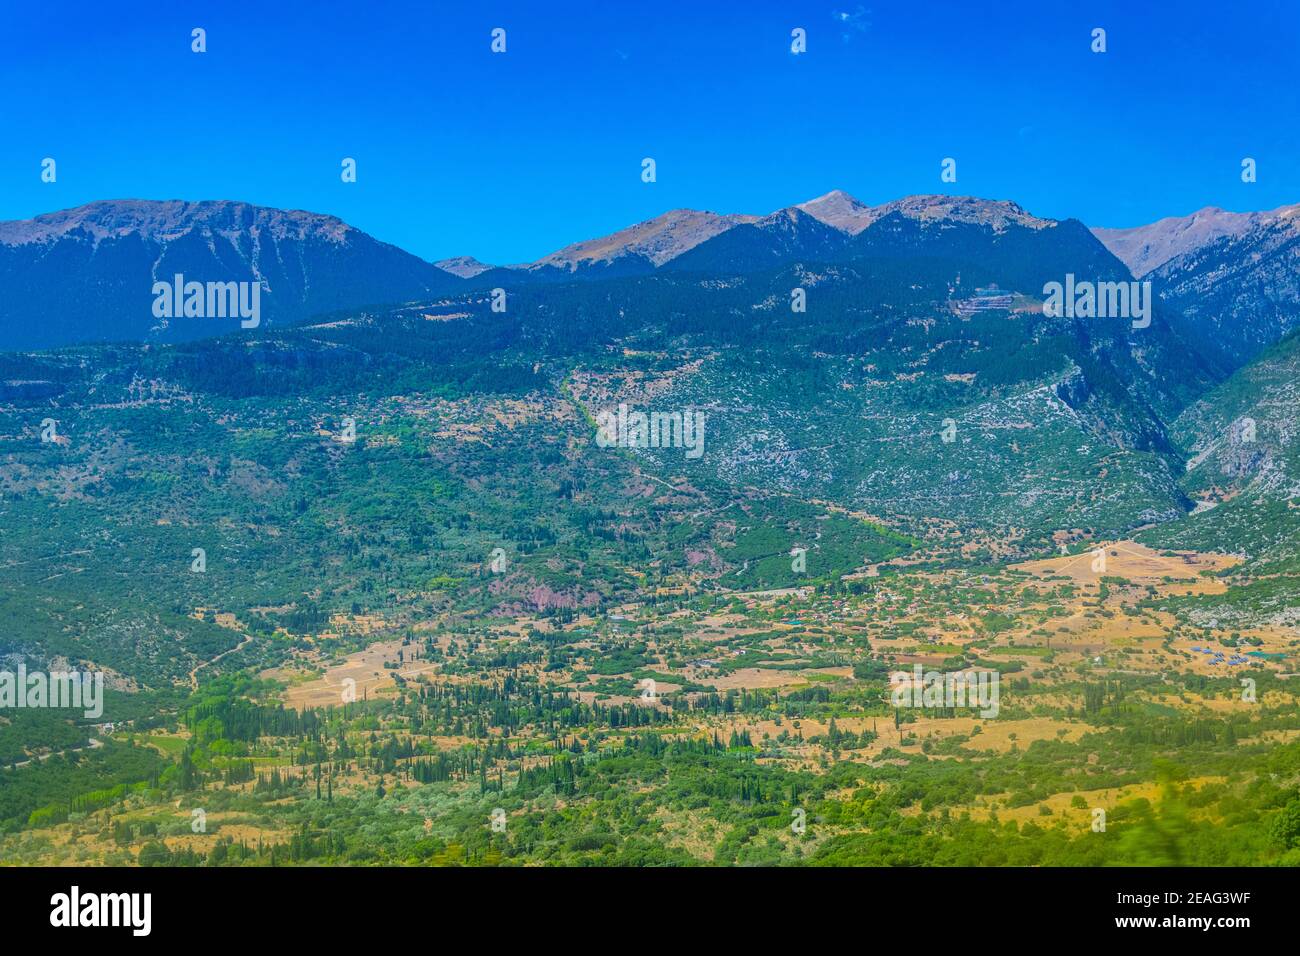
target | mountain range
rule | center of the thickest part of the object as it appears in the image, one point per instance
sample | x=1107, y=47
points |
x=917, y=382
x=924, y=310
x=86, y=274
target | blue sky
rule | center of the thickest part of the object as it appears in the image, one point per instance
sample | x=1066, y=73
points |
x=507, y=157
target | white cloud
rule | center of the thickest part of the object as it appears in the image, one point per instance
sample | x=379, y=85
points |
x=850, y=23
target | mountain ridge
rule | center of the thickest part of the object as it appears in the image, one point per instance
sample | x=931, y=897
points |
x=1234, y=278
x=87, y=274
x=666, y=238
x=1145, y=248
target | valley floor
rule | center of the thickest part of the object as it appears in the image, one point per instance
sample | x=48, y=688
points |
x=772, y=727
